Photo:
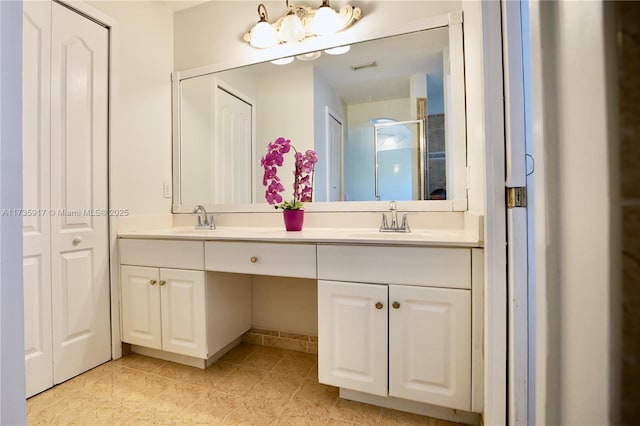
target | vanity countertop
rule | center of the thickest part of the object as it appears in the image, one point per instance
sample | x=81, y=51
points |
x=421, y=237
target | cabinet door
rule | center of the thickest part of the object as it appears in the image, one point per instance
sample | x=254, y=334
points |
x=430, y=345
x=183, y=312
x=141, y=306
x=352, y=336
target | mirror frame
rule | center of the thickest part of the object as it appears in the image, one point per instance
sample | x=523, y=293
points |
x=455, y=110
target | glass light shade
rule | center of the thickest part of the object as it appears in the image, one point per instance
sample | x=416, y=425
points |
x=283, y=61
x=338, y=50
x=263, y=35
x=291, y=29
x=325, y=21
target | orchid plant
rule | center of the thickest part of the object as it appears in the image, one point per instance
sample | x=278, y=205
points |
x=302, y=174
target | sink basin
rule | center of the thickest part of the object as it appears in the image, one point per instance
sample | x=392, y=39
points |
x=414, y=235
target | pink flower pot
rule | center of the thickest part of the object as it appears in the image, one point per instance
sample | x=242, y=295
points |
x=293, y=219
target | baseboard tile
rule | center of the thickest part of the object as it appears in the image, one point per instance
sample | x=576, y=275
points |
x=282, y=339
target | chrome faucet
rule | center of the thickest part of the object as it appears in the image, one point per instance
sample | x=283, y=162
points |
x=394, y=227
x=205, y=221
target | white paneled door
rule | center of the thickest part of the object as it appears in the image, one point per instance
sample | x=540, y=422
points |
x=36, y=108
x=67, y=306
x=334, y=155
x=232, y=162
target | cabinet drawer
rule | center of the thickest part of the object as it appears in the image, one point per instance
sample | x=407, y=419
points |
x=424, y=266
x=285, y=260
x=162, y=253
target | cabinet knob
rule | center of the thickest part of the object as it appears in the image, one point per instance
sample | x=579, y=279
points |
x=153, y=282
x=395, y=305
x=77, y=240
x=162, y=282
x=253, y=259
x=379, y=305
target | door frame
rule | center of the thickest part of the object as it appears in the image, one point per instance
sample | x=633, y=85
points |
x=112, y=26
x=517, y=236
x=485, y=191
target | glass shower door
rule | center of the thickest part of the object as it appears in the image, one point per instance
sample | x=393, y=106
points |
x=399, y=148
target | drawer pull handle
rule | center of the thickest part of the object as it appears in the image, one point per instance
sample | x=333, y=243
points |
x=162, y=282
x=253, y=259
x=153, y=282
x=379, y=305
x=396, y=305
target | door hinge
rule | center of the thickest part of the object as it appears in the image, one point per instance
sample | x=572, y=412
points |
x=517, y=197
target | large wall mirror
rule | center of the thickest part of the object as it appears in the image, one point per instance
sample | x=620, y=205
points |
x=386, y=118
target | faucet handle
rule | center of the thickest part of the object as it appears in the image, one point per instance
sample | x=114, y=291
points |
x=385, y=225
x=405, y=224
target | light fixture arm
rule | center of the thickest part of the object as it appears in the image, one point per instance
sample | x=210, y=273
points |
x=262, y=13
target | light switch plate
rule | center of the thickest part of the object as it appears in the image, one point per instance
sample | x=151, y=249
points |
x=166, y=189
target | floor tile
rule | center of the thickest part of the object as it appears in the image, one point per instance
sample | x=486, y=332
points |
x=251, y=385
x=356, y=412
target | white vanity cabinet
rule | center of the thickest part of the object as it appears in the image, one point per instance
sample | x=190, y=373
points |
x=403, y=329
x=170, y=303
x=164, y=309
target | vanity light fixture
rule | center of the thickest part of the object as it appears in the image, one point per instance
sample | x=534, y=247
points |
x=325, y=20
x=291, y=28
x=312, y=56
x=338, y=50
x=283, y=61
x=300, y=23
x=263, y=35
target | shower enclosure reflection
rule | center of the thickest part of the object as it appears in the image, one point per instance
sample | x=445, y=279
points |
x=398, y=149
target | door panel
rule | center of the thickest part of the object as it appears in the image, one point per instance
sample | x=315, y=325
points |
x=334, y=160
x=430, y=345
x=79, y=228
x=77, y=322
x=352, y=336
x=140, y=296
x=232, y=162
x=183, y=312
x=35, y=192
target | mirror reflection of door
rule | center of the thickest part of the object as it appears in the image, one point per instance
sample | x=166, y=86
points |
x=217, y=134
x=232, y=148
x=399, y=146
x=334, y=164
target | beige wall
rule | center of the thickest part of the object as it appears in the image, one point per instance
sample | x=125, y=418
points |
x=141, y=109
x=286, y=304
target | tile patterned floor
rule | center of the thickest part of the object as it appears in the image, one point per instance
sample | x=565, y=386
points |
x=251, y=385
